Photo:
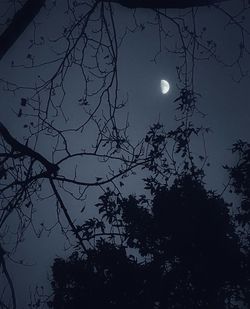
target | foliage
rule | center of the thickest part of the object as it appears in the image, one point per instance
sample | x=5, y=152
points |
x=240, y=175
x=240, y=184
x=180, y=250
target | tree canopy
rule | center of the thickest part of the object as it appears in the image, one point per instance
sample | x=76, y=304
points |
x=187, y=254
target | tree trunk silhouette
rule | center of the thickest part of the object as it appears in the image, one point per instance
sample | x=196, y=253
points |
x=20, y=22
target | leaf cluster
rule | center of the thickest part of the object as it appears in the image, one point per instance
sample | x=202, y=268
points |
x=180, y=250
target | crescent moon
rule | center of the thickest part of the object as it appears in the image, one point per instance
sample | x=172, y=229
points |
x=164, y=86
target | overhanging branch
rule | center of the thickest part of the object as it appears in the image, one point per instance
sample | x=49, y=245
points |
x=19, y=23
x=167, y=4
x=26, y=151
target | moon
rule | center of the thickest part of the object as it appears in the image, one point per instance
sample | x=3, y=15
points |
x=164, y=86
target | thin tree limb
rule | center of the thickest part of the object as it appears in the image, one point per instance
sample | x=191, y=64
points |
x=7, y=276
x=65, y=211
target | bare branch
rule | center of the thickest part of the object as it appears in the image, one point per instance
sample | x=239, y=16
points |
x=8, y=278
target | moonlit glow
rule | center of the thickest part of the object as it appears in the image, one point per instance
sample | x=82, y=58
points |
x=164, y=86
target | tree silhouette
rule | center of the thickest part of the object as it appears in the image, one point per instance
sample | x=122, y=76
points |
x=84, y=128
x=188, y=255
x=240, y=175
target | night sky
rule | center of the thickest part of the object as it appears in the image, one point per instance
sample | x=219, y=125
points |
x=142, y=62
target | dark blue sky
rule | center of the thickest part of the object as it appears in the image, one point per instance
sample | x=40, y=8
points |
x=225, y=101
